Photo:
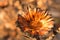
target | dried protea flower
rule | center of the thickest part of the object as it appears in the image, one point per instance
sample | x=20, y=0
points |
x=36, y=22
x=3, y=3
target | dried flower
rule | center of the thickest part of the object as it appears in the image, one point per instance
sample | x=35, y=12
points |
x=36, y=22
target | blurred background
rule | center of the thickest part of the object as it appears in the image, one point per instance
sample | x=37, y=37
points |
x=9, y=10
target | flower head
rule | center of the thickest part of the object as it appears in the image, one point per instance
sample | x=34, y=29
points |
x=36, y=22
